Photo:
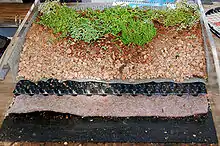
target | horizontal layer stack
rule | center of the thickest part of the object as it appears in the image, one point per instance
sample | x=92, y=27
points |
x=177, y=91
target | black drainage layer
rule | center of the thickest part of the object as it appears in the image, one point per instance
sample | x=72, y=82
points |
x=54, y=86
x=56, y=127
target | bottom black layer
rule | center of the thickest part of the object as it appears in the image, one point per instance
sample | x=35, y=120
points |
x=51, y=126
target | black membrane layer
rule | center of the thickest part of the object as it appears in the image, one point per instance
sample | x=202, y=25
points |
x=56, y=87
x=56, y=127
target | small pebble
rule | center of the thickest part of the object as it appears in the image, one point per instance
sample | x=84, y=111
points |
x=65, y=143
x=68, y=51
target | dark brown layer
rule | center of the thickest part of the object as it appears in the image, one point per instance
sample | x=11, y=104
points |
x=114, y=106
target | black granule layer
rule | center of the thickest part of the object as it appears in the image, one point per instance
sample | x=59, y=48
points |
x=56, y=127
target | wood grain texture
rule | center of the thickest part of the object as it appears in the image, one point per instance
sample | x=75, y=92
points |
x=8, y=11
x=6, y=95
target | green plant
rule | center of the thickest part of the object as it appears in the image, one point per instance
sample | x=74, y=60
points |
x=132, y=26
x=104, y=48
x=85, y=31
x=193, y=36
x=49, y=6
x=137, y=32
x=184, y=15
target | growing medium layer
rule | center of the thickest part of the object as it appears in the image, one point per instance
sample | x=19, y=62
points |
x=171, y=54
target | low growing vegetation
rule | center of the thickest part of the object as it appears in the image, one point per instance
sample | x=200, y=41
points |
x=131, y=26
x=184, y=16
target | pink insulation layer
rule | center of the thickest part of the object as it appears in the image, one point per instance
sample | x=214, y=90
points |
x=114, y=106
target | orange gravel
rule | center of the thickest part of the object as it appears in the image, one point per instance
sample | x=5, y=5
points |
x=170, y=55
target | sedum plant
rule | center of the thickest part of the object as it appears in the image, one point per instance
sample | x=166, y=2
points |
x=49, y=6
x=184, y=15
x=60, y=19
x=128, y=24
x=137, y=32
x=85, y=30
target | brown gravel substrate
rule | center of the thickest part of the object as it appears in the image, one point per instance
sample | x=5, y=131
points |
x=114, y=106
x=171, y=55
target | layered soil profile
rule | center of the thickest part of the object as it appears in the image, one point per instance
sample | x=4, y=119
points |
x=176, y=55
x=51, y=113
x=171, y=54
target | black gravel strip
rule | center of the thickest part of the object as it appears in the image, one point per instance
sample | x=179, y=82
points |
x=56, y=127
x=56, y=87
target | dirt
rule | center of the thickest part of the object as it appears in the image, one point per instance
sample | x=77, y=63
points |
x=177, y=55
